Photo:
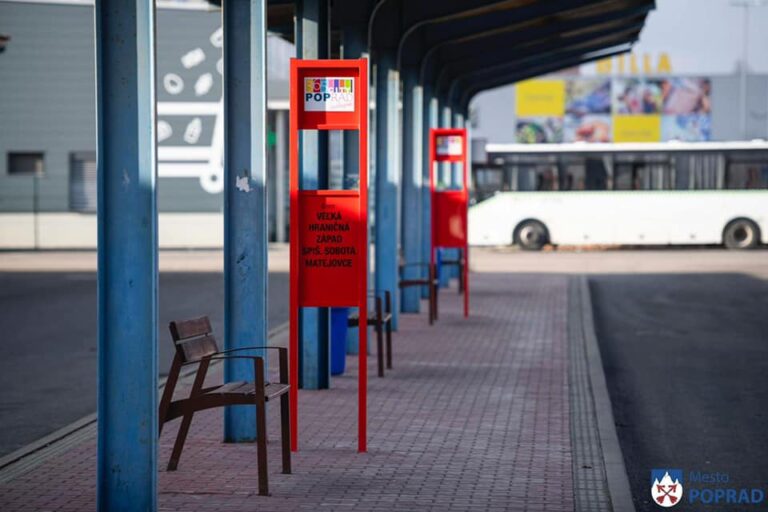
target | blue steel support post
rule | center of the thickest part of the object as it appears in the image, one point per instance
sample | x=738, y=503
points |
x=465, y=123
x=312, y=42
x=245, y=198
x=387, y=177
x=446, y=119
x=457, y=177
x=458, y=122
x=412, y=180
x=429, y=121
x=353, y=47
x=127, y=256
x=446, y=177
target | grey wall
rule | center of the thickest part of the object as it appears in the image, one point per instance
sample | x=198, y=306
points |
x=726, y=107
x=47, y=90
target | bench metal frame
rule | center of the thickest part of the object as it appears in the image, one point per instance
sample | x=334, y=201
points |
x=195, y=344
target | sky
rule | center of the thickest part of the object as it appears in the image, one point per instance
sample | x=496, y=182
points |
x=706, y=36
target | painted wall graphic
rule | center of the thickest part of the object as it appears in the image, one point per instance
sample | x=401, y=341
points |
x=618, y=109
x=190, y=129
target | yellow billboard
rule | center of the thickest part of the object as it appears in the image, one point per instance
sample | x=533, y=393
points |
x=636, y=128
x=540, y=98
x=617, y=109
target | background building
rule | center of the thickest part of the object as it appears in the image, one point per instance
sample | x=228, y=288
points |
x=48, y=131
x=663, y=91
x=664, y=94
x=698, y=73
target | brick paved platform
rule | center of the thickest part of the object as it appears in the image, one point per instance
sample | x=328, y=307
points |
x=474, y=416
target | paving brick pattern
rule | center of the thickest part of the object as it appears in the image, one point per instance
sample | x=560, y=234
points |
x=474, y=416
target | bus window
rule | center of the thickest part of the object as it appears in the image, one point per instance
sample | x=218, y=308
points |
x=747, y=176
x=623, y=176
x=596, y=177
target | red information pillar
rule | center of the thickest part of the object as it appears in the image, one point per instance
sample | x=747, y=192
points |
x=450, y=207
x=329, y=245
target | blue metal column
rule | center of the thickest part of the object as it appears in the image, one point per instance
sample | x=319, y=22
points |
x=281, y=176
x=387, y=178
x=127, y=253
x=457, y=176
x=411, y=213
x=353, y=47
x=312, y=42
x=446, y=176
x=456, y=169
x=245, y=198
x=458, y=119
x=430, y=121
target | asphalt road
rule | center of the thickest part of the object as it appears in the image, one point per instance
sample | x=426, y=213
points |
x=686, y=360
x=48, y=342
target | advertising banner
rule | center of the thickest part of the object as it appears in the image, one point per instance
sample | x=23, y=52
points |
x=617, y=109
x=540, y=98
x=329, y=94
x=641, y=128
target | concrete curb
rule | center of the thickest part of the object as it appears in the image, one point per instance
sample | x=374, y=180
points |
x=36, y=452
x=616, y=471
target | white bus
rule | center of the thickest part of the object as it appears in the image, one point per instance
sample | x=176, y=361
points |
x=621, y=194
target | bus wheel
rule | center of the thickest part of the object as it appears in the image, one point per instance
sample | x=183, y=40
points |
x=741, y=234
x=531, y=235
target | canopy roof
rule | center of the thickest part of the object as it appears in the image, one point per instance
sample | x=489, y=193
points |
x=462, y=47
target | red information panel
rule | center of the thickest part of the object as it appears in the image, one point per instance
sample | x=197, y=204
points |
x=329, y=244
x=449, y=207
x=329, y=235
x=451, y=210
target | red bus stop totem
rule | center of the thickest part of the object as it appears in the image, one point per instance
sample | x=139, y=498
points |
x=450, y=207
x=328, y=231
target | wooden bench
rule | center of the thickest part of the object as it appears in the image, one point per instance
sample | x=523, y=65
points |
x=195, y=345
x=381, y=319
x=430, y=282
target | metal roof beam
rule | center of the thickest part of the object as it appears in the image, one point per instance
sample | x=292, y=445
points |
x=475, y=85
x=491, y=63
x=436, y=40
x=565, y=26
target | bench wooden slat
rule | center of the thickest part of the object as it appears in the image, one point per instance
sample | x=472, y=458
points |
x=271, y=390
x=197, y=348
x=233, y=387
x=356, y=316
x=415, y=282
x=275, y=389
x=181, y=330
